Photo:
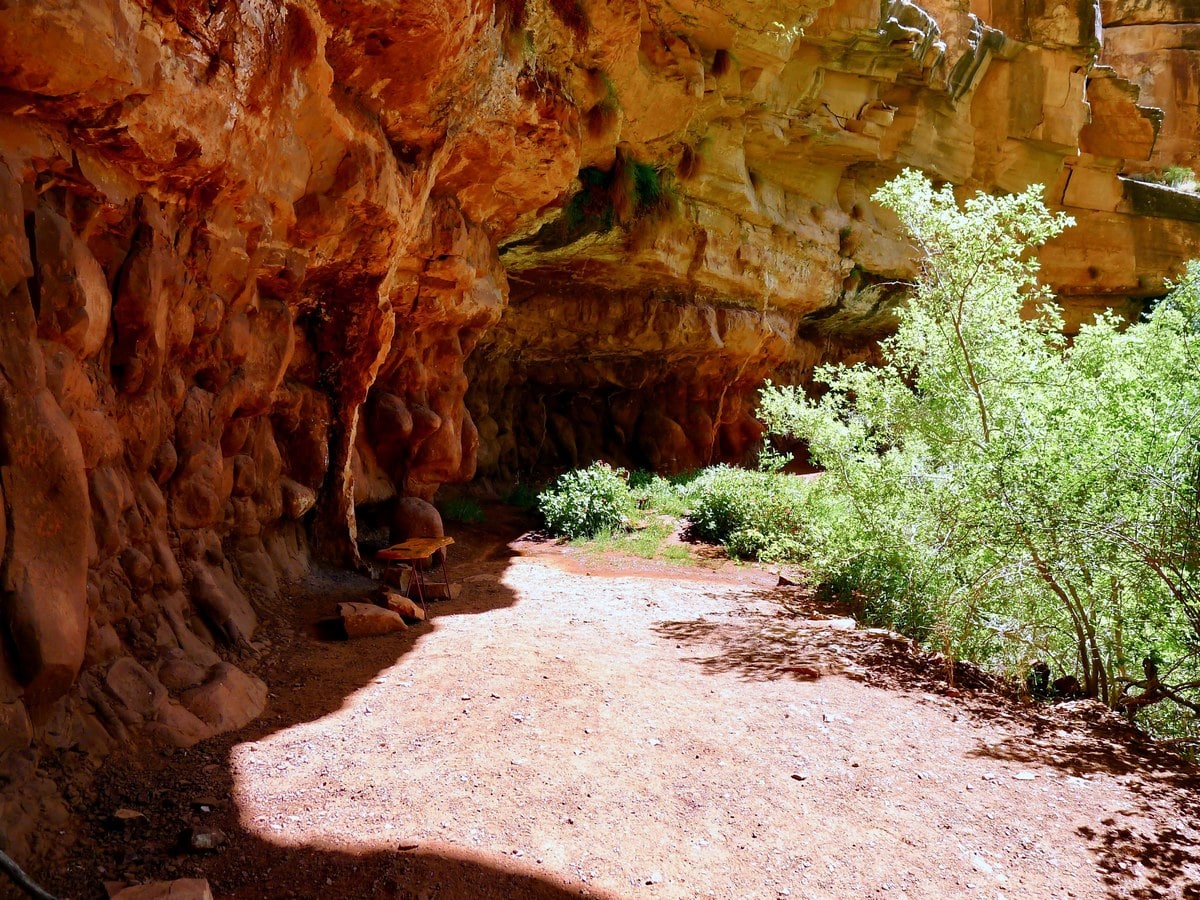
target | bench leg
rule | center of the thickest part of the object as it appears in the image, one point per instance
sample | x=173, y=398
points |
x=416, y=569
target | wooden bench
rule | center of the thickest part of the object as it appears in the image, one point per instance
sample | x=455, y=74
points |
x=413, y=552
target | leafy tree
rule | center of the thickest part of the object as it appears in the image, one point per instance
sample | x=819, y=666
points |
x=1016, y=495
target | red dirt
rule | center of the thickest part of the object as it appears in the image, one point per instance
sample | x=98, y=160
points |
x=578, y=726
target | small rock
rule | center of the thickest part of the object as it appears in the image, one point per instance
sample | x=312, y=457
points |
x=654, y=878
x=1025, y=776
x=398, y=603
x=800, y=776
x=368, y=620
x=128, y=820
x=180, y=889
x=439, y=590
x=203, y=840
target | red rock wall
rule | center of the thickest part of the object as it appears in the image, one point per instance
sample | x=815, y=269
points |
x=238, y=258
x=263, y=263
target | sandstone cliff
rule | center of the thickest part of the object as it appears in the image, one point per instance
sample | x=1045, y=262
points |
x=265, y=264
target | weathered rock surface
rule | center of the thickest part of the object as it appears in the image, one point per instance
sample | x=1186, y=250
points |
x=180, y=889
x=264, y=264
x=367, y=620
x=402, y=605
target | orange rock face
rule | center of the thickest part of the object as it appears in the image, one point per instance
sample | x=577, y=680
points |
x=266, y=264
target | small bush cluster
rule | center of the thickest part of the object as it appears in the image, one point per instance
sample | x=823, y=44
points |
x=664, y=496
x=463, y=510
x=587, y=502
x=522, y=496
x=753, y=514
x=1180, y=177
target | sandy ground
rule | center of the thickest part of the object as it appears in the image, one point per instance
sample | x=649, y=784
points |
x=579, y=726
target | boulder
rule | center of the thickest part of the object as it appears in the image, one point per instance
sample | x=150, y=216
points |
x=223, y=604
x=403, y=605
x=178, y=673
x=398, y=576
x=228, y=700
x=298, y=499
x=45, y=581
x=137, y=693
x=16, y=731
x=414, y=517
x=369, y=620
x=75, y=300
x=439, y=590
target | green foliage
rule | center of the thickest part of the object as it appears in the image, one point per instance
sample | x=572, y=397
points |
x=1000, y=490
x=645, y=541
x=663, y=496
x=1179, y=177
x=754, y=514
x=463, y=510
x=882, y=588
x=628, y=192
x=586, y=502
x=522, y=496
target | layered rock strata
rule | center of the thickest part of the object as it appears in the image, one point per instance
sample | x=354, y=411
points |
x=266, y=264
x=768, y=128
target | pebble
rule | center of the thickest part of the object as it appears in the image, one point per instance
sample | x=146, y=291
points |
x=205, y=840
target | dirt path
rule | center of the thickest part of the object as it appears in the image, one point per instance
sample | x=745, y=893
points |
x=570, y=728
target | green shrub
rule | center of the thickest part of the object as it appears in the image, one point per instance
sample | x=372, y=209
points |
x=587, y=502
x=522, y=496
x=753, y=514
x=881, y=588
x=1179, y=177
x=463, y=510
x=657, y=494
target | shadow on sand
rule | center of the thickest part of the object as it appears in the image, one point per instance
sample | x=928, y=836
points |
x=309, y=677
x=793, y=636
x=1085, y=739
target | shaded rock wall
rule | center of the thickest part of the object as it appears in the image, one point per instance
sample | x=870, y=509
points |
x=226, y=227
x=264, y=263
